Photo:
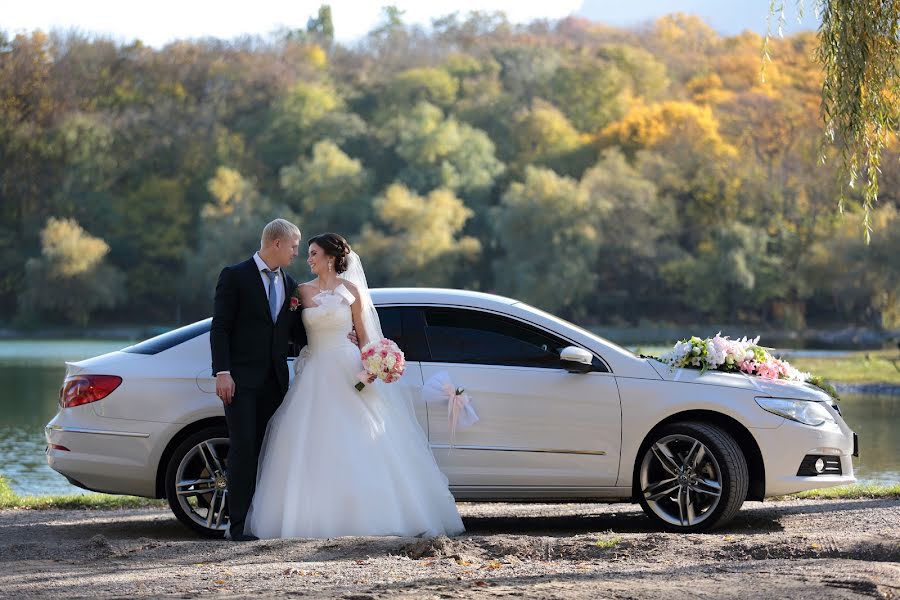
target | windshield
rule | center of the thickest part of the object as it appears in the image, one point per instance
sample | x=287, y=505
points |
x=578, y=328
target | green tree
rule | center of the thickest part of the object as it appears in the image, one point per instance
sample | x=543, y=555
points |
x=727, y=273
x=416, y=240
x=637, y=227
x=440, y=152
x=322, y=25
x=307, y=113
x=228, y=232
x=328, y=192
x=425, y=84
x=150, y=239
x=543, y=136
x=546, y=229
x=592, y=93
x=71, y=277
x=860, y=279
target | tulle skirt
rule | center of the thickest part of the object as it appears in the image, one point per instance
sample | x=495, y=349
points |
x=339, y=462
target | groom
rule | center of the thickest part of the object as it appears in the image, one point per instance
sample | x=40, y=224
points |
x=251, y=328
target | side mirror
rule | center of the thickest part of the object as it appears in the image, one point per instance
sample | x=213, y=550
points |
x=576, y=360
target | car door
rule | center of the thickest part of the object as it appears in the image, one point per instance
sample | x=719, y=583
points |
x=539, y=424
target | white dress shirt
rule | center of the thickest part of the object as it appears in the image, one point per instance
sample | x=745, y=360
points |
x=278, y=284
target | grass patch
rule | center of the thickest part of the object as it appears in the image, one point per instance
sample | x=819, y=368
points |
x=855, y=491
x=10, y=499
x=607, y=544
x=862, y=366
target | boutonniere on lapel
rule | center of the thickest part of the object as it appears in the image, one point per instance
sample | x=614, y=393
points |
x=295, y=299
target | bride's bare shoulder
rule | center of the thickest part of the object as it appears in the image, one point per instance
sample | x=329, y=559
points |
x=350, y=287
x=308, y=287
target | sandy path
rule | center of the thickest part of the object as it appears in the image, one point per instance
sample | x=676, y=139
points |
x=786, y=549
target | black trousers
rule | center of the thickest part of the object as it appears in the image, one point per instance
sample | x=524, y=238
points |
x=247, y=417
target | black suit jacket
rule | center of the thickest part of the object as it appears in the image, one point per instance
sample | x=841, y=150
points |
x=243, y=338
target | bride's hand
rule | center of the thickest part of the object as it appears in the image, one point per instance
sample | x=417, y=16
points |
x=352, y=337
x=371, y=377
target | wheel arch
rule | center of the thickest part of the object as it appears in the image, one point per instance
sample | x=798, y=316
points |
x=179, y=437
x=741, y=435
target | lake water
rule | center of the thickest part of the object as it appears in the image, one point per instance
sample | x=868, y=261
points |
x=33, y=371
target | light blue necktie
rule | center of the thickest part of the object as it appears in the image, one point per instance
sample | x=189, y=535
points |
x=273, y=296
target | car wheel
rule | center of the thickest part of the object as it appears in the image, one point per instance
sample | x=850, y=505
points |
x=196, y=484
x=692, y=477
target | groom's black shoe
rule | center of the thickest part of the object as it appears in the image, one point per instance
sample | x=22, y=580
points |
x=244, y=538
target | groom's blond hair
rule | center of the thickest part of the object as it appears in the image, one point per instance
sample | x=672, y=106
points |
x=279, y=229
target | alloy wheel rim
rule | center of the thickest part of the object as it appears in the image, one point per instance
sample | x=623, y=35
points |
x=201, y=484
x=681, y=480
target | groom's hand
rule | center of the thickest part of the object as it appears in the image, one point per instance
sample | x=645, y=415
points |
x=225, y=388
x=353, y=338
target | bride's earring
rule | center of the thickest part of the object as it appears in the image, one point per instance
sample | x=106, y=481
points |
x=329, y=267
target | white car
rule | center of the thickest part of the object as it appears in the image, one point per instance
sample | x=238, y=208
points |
x=564, y=415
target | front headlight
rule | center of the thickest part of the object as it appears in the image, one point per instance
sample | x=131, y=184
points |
x=807, y=412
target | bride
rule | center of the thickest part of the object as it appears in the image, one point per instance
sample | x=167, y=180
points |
x=336, y=461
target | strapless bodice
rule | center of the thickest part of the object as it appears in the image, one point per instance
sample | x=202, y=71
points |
x=328, y=323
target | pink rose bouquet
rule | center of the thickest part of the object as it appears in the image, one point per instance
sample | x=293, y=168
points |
x=382, y=358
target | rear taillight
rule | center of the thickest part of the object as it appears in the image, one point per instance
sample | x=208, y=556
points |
x=83, y=389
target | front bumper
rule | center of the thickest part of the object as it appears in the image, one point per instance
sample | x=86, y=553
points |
x=785, y=447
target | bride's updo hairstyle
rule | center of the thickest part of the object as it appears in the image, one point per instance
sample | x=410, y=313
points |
x=333, y=245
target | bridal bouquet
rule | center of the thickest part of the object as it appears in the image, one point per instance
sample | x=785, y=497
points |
x=743, y=356
x=382, y=358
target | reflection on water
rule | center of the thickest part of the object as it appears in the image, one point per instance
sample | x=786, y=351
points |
x=874, y=418
x=33, y=371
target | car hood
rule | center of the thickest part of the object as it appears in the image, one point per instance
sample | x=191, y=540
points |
x=764, y=387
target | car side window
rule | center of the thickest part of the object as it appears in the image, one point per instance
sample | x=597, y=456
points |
x=473, y=337
x=391, y=325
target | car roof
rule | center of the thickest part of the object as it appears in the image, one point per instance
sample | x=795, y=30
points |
x=387, y=296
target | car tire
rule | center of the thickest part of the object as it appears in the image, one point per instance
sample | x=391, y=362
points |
x=196, y=484
x=691, y=477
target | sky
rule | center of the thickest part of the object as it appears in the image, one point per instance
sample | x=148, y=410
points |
x=161, y=21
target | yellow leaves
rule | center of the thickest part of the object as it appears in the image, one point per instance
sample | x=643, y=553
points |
x=421, y=232
x=315, y=55
x=543, y=132
x=669, y=123
x=427, y=224
x=493, y=564
x=427, y=84
x=227, y=188
x=69, y=249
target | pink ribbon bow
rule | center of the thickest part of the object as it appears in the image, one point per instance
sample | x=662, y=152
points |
x=458, y=400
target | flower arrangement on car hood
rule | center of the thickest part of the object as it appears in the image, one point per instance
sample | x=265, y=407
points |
x=741, y=356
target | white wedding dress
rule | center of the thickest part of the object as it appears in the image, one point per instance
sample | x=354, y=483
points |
x=339, y=462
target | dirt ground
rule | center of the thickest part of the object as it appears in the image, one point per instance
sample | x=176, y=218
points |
x=786, y=549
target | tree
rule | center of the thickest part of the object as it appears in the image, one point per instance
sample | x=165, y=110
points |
x=229, y=231
x=440, y=152
x=70, y=277
x=546, y=229
x=858, y=278
x=150, y=238
x=322, y=25
x=329, y=192
x=307, y=113
x=859, y=49
x=637, y=228
x=591, y=93
x=726, y=274
x=543, y=136
x=416, y=239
